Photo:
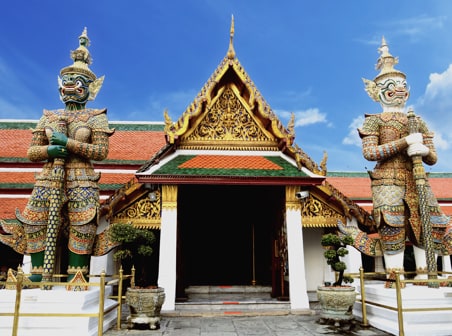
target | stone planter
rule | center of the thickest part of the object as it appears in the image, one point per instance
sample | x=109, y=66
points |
x=145, y=305
x=336, y=302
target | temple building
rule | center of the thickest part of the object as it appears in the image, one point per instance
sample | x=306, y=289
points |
x=233, y=199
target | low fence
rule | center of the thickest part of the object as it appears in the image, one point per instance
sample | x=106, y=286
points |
x=400, y=281
x=104, y=280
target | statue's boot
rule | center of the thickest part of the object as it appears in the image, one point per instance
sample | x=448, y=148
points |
x=422, y=267
x=394, y=265
x=37, y=263
x=77, y=262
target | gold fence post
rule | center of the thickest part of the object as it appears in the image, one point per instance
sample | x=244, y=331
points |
x=20, y=280
x=399, y=303
x=118, y=318
x=363, y=297
x=100, y=322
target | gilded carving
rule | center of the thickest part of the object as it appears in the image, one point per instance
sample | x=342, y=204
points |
x=317, y=213
x=314, y=212
x=142, y=213
x=169, y=196
x=228, y=119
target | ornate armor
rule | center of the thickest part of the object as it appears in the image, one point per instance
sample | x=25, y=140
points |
x=395, y=199
x=88, y=134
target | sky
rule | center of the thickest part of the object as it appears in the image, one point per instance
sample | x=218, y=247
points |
x=305, y=57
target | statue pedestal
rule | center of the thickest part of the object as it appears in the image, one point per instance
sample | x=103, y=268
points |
x=415, y=323
x=57, y=300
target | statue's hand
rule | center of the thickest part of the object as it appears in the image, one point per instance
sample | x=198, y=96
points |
x=414, y=138
x=57, y=151
x=58, y=138
x=418, y=149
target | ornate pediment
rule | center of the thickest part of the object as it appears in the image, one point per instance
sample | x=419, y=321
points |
x=317, y=213
x=228, y=123
x=143, y=212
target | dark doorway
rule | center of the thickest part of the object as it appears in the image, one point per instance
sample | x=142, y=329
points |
x=216, y=226
x=10, y=259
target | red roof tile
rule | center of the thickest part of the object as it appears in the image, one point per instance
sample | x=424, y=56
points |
x=135, y=145
x=114, y=178
x=359, y=187
x=9, y=205
x=15, y=143
x=352, y=187
x=230, y=162
x=17, y=177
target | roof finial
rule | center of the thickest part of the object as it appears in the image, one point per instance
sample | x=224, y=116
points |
x=231, y=51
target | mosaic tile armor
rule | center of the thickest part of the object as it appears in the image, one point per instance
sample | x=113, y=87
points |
x=395, y=199
x=88, y=134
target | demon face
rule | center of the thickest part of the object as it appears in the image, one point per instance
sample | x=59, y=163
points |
x=393, y=92
x=74, y=88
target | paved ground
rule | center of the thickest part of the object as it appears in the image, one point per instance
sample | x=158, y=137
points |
x=260, y=324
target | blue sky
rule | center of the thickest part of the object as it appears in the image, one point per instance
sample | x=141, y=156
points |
x=306, y=57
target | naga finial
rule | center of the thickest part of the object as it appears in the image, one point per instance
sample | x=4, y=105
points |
x=168, y=121
x=231, y=51
x=291, y=125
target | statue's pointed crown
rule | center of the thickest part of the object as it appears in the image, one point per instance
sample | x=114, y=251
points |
x=386, y=62
x=82, y=58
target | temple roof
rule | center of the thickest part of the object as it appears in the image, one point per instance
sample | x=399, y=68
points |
x=229, y=122
x=209, y=167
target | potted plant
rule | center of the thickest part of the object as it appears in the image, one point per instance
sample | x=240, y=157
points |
x=337, y=299
x=145, y=298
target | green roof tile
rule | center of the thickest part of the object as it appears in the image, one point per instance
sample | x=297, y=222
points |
x=172, y=168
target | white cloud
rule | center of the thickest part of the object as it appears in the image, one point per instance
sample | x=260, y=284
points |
x=435, y=107
x=305, y=117
x=352, y=137
x=416, y=26
x=439, y=85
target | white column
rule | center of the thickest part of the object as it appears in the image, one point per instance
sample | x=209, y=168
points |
x=168, y=246
x=297, y=273
x=446, y=264
x=167, y=262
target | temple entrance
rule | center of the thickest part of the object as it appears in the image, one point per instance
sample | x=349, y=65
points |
x=226, y=234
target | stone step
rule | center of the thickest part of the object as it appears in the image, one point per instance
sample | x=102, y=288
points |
x=232, y=306
x=227, y=289
x=231, y=300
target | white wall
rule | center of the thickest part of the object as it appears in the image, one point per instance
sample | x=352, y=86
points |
x=317, y=271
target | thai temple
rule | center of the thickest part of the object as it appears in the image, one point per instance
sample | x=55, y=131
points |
x=230, y=195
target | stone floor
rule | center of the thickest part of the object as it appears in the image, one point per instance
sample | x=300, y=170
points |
x=241, y=313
